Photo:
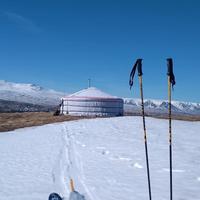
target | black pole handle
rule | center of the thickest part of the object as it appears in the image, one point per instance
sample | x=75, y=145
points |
x=137, y=65
x=139, y=61
x=170, y=72
x=169, y=66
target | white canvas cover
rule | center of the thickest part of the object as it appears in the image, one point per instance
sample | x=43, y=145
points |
x=92, y=102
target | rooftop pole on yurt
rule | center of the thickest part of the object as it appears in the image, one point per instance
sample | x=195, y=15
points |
x=138, y=65
x=89, y=82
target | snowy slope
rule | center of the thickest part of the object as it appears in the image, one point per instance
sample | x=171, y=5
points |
x=104, y=156
x=28, y=93
x=161, y=106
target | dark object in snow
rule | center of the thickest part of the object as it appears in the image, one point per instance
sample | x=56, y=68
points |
x=56, y=113
x=76, y=196
x=54, y=196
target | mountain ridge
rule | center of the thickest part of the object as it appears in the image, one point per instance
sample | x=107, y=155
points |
x=161, y=106
x=29, y=93
x=37, y=96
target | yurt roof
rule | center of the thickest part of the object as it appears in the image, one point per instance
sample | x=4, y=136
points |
x=91, y=92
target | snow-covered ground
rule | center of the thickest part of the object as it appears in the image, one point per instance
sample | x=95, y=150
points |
x=105, y=157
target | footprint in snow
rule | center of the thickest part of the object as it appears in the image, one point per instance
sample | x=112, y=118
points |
x=118, y=158
x=105, y=152
x=100, y=148
x=125, y=159
x=137, y=165
x=174, y=170
x=81, y=144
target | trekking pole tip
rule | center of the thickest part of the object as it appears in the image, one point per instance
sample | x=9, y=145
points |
x=72, y=185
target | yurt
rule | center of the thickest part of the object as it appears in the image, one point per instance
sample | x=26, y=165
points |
x=92, y=102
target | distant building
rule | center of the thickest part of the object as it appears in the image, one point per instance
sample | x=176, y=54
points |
x=92, y=102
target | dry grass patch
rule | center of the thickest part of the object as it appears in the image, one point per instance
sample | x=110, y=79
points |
x=11, y=121
x=184, y=117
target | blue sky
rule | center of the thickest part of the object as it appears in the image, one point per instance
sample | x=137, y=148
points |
x=60, y=44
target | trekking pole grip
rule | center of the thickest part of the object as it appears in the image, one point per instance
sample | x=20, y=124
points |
x=139, y=67
x=169, y=66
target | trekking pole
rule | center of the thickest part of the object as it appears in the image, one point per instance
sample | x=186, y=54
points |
x=171, y=81
x=72, y=185
x=138, y=65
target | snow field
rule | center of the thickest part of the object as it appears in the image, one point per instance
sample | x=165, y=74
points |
x=105, y=157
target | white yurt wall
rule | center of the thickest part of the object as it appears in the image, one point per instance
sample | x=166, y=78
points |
x=92, y=102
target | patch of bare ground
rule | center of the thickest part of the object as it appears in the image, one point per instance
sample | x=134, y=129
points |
x=12, y=121
x=184, y=117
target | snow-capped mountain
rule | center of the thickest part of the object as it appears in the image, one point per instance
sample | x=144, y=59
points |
x=161, y=106
x=32, y=94
x=29, y=93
